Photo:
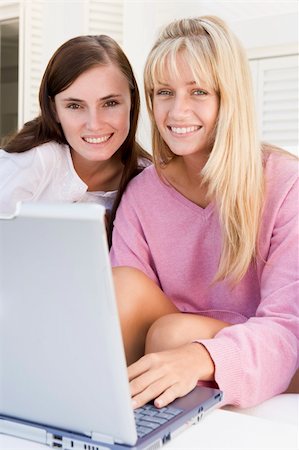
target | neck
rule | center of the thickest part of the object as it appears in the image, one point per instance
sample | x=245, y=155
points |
x=192, y=167
x=188, y=168
x=184, y=174
x=99, y=175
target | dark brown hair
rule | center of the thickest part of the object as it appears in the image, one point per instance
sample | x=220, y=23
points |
x=70, y=60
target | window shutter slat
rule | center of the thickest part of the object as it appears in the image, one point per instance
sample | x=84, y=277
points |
x=106, y=18
x=33, y=21
x=277, y=100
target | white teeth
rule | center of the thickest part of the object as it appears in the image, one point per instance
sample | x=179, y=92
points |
x=97, y=140
x=184, y=130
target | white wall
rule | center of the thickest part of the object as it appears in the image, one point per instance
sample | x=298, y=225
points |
x=267, y=28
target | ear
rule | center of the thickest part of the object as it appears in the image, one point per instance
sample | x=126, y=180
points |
x=53, y=108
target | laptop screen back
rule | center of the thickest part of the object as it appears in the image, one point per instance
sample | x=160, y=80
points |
x=59, y=326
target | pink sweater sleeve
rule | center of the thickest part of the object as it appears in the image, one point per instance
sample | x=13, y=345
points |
x=265, y=347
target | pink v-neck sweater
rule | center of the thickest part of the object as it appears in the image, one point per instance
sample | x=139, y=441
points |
x=177, y=244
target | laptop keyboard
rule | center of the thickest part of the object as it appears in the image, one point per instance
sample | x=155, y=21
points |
x=149, y=418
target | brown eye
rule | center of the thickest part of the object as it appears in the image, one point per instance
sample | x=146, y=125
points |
x=73, y=106
x=111, y=103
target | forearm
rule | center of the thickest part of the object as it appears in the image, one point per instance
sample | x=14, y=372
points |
x=253, y=361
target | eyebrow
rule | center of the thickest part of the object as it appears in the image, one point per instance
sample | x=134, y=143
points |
x=107, y=97
x=190, y=83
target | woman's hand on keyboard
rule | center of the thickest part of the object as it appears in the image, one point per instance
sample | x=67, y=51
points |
x=167, y=375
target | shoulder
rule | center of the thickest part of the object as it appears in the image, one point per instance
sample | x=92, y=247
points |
x=281, y=172
x=280, y=166
x=45, y=154
x=142, y=190
x=52, y=153
x=148, y=177
x=14, y=162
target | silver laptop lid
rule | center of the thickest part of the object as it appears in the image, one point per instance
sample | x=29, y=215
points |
x=62, y=359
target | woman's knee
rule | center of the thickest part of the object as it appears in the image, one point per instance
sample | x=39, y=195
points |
x=173, y=330
x=164, y=333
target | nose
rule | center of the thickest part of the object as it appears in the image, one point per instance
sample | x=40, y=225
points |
x=94, y=121
x=180, y=107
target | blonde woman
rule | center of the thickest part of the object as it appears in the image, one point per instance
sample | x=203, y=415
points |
x=209, y=235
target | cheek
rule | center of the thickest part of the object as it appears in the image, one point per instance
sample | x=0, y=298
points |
x=212, y=118
x=69, y=128
x=60, y=116
x=57, y=115
x=160, y=123
x=214, y=111
x=208, y=114
x=65, y=123
x=158, y=115
x=124, y=121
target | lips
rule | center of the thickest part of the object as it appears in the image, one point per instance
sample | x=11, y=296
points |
x=97, y=140
x=184, y=130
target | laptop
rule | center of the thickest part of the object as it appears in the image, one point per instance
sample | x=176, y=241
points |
x=63, y=378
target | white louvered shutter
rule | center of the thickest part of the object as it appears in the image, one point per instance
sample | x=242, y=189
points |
x=277, y=100
x=31, y=21
x=106, y=18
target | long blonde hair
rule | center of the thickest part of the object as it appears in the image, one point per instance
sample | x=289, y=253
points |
x=234, y=170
